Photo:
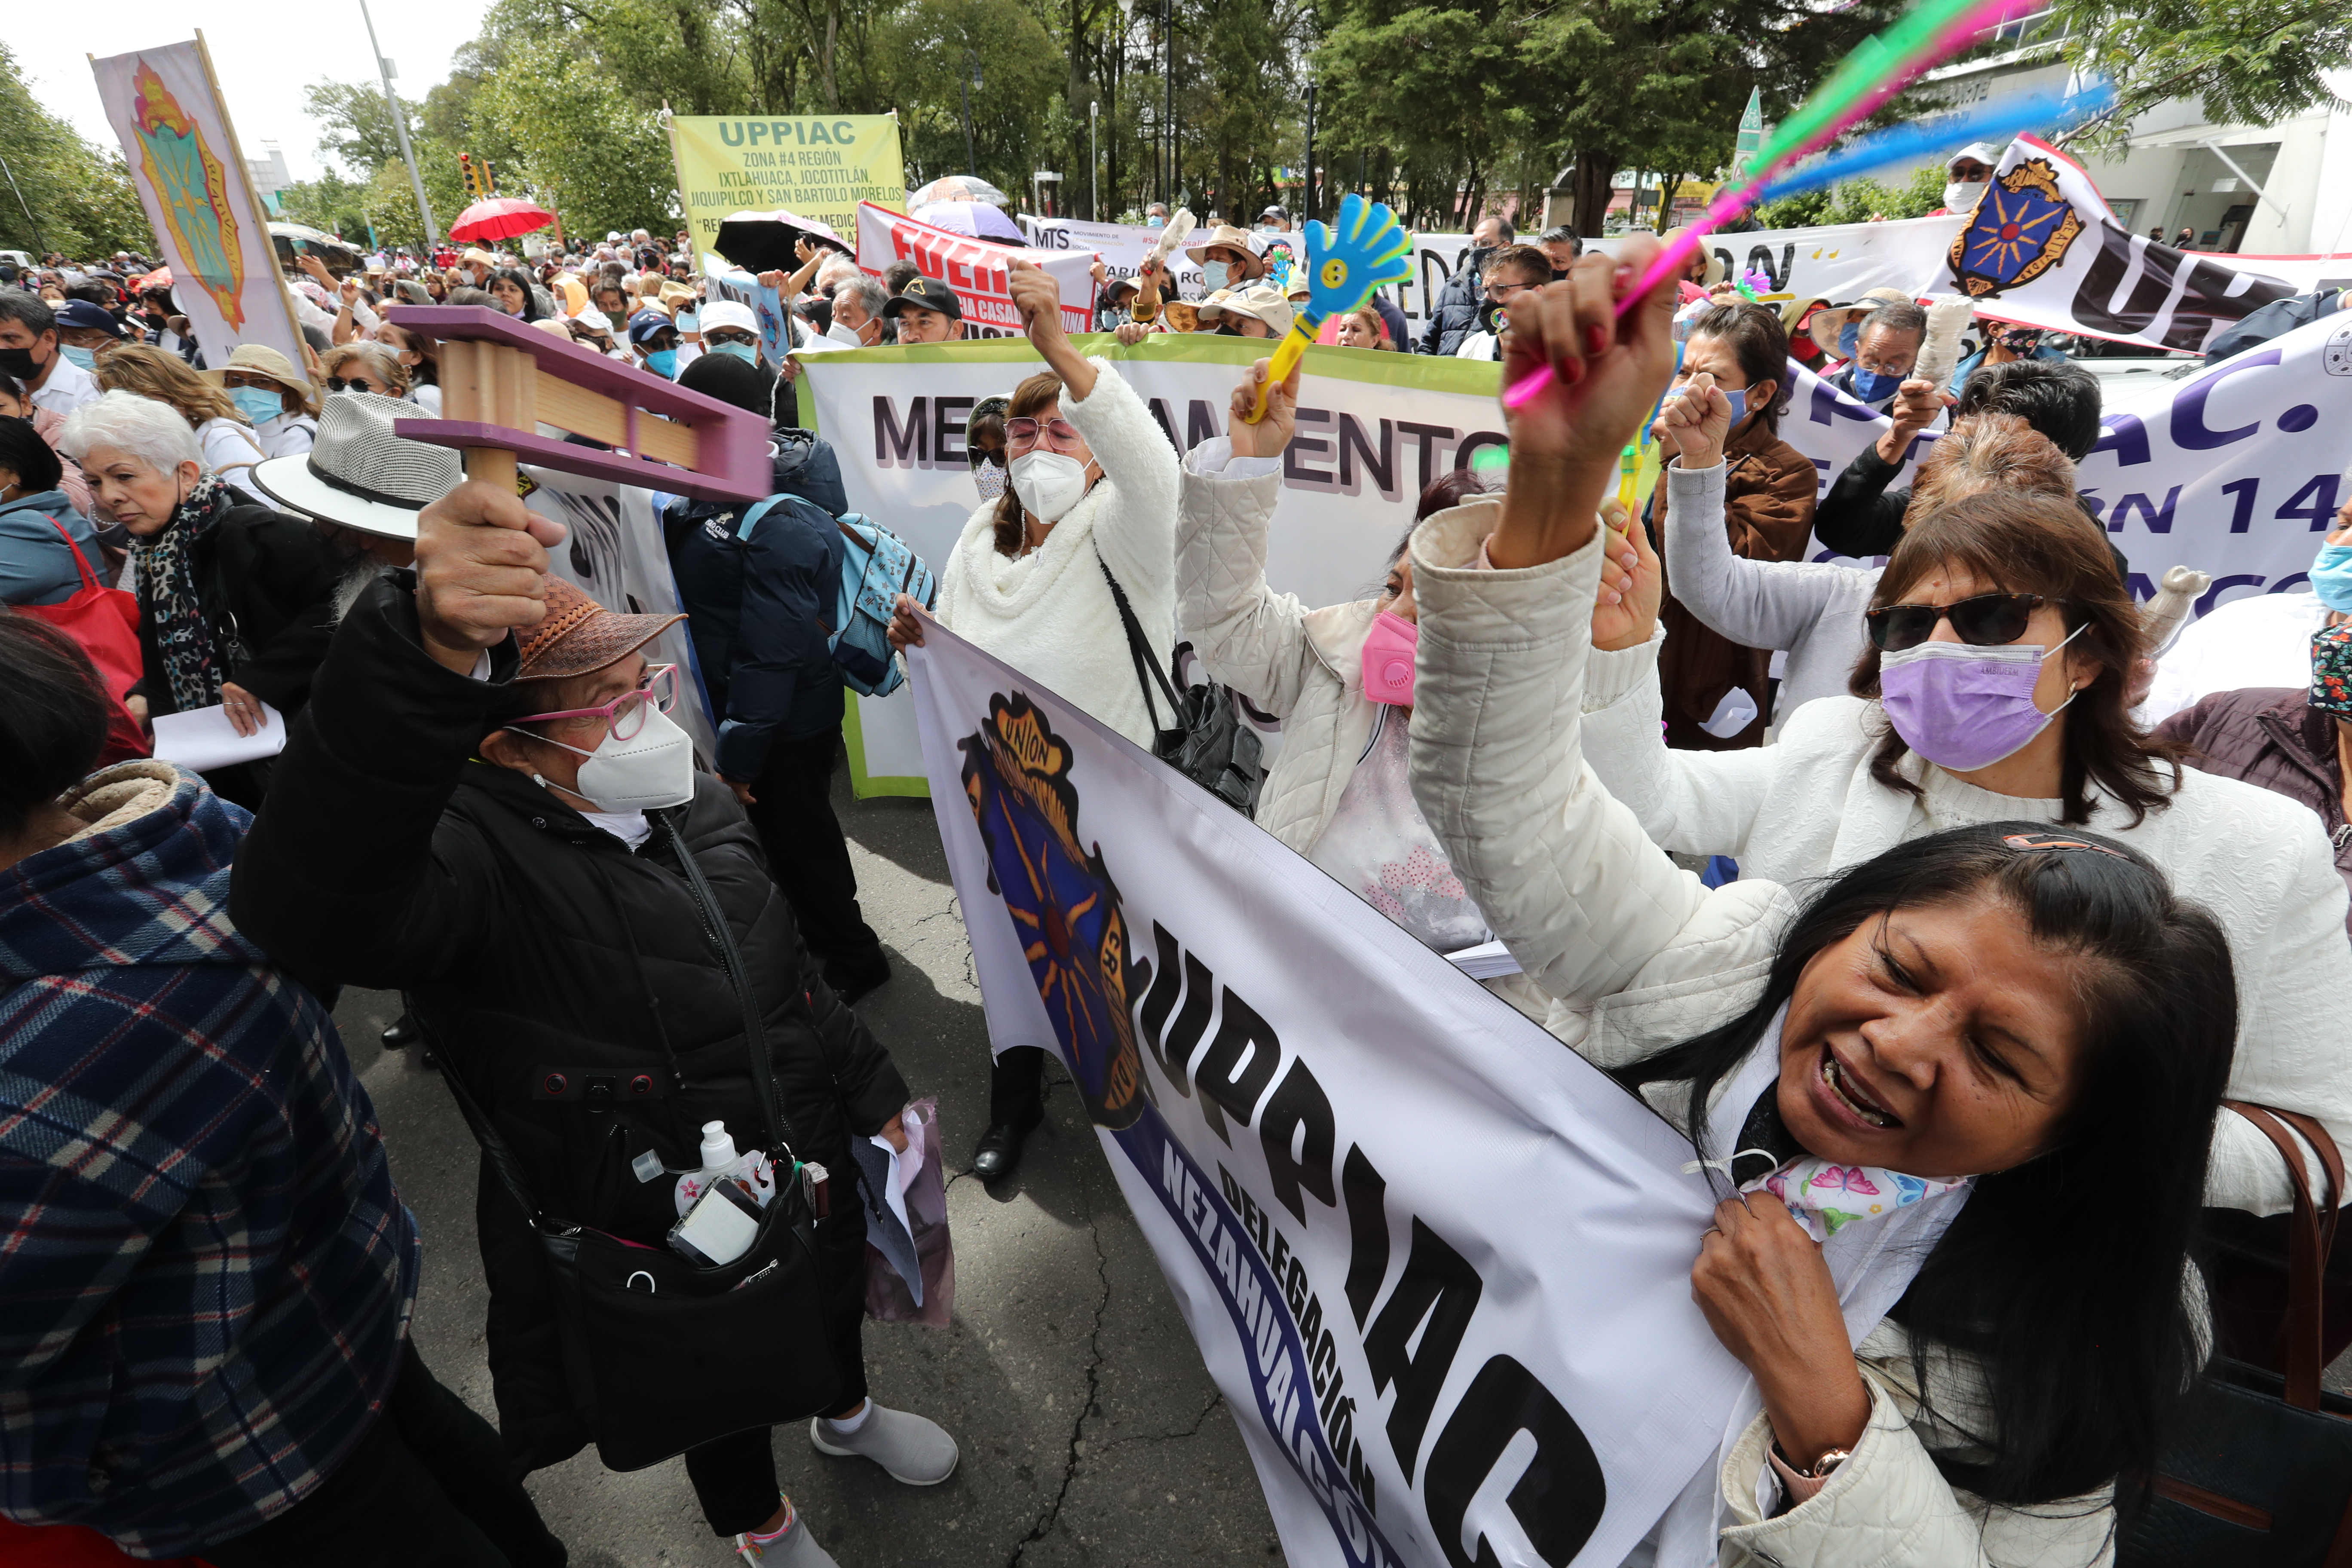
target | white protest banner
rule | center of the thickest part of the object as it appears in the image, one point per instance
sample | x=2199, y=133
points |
x=2235, y=470
x=1121, y=247
x=975, y=269
x=2043, y=247
x=1374, y=429
x=1438, y=1263
x=191, y=179
x=613, y=552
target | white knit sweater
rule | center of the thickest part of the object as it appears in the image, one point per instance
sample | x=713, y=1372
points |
x=1049, y=614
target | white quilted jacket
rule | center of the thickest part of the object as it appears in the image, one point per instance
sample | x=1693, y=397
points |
x=1305, y=667
x=1050, y=614
x=1640, y=954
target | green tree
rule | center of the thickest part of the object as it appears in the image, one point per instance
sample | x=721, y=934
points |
x=2254, y=62
x=61, y=192
x=582, y=146
x=355, y=124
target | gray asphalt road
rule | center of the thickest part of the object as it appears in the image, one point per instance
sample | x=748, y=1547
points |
x=1090, y=1432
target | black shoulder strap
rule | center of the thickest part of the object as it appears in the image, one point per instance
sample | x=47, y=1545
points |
x=1138, y=648
x=755, y=1038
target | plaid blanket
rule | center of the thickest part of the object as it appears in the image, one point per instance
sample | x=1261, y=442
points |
x=205, y=1274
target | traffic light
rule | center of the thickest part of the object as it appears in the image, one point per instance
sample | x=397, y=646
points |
x=466, y=173
x=489, y=180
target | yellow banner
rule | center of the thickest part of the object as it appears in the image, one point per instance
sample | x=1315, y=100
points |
x=817, y=166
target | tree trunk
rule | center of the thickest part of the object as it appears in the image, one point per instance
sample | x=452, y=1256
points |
x=1588, y=188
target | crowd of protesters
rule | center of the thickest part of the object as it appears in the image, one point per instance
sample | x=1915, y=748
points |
x=1936, y=883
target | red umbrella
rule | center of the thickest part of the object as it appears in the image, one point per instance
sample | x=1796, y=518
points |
x=501, y=217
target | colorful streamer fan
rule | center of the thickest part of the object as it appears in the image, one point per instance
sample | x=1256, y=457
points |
x=1367, y=250
x=1880, y=67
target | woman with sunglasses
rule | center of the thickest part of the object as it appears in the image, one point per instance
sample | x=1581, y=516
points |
x=1088, y=516
x=1813, y=609
x=365, y=367
x=1993, y=686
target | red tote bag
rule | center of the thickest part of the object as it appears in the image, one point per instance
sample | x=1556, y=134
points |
x=105, y=623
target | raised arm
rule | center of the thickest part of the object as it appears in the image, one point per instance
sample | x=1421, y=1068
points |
x=1250, y=637
x=349, y=873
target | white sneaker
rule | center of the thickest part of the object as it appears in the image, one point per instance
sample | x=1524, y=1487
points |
x=916, y=1451
x=795, y=1548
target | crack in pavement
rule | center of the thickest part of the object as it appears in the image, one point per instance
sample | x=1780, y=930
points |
x=1052, y=1513
x=1193, y=1431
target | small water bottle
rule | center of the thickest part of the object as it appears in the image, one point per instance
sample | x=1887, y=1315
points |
x=751, y=1170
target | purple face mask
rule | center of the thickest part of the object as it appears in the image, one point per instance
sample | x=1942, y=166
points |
x=1964, y=707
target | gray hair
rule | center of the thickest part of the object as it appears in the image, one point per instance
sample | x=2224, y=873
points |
x=138, y=428
x=1898, y=316
x=871, y=295
x=833, y=271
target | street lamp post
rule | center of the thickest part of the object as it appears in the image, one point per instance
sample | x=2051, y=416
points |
x=400, y=129
x=972, y=79
x=1175, y=165
x=1094, y=163
x=1307, y=186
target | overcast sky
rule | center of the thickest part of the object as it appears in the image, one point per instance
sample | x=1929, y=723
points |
x=264, y=56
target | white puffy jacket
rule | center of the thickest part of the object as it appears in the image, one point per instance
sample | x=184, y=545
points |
x=1049, y=614
x=1640, y=955
x=1305, y=667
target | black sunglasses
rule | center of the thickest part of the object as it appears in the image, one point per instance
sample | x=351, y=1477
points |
x=354, y=383
x=976, y=455
x=1983, y=621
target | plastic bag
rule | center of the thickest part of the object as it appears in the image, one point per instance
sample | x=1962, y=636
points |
x=923, y=1191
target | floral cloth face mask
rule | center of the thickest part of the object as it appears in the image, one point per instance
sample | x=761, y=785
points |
x=1825, y=1196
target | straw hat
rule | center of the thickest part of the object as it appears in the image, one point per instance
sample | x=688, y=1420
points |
x=579, y=635
x=261, y=360
x=1250, y=245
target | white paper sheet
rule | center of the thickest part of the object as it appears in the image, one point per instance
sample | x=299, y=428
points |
x=203, y=739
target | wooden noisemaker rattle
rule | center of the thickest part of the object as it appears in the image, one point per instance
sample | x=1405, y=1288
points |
x=500, y=380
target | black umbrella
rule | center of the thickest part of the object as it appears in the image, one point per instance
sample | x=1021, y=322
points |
x=765, y=242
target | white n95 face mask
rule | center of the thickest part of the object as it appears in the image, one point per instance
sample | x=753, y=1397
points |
x=1961, y=196
x=652, y=769
x=1049, y=482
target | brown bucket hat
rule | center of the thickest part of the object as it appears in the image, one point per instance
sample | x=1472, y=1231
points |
x=579, y=635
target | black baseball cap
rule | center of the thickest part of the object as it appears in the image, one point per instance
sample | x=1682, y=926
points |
x=83, y=313
x=926, y=294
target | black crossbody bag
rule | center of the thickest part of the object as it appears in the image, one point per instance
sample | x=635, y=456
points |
x=1206, y=740
x=663, y=1356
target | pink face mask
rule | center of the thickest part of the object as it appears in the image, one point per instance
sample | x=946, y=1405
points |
x=1388, y=660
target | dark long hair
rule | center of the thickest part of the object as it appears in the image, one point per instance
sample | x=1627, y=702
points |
x=1039, y=391
x=520, y=279
x=2064, y=1274
x=2025, y=543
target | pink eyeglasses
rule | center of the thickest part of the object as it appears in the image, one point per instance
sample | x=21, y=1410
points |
x=1058, y=434
x=626, y=713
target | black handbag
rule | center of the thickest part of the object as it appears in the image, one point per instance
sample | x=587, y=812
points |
x=663, y=1356
x=1207, y=742
x=2259, y=1474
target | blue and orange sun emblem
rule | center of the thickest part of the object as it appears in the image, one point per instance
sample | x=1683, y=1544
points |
x=1062, y=901
x=2020, y=230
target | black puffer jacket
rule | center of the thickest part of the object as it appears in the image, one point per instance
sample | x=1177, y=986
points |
x=534, y=945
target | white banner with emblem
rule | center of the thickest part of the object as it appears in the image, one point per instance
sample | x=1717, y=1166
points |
x=1439, y=1265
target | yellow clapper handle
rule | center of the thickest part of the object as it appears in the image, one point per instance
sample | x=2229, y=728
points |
x=1367, y=250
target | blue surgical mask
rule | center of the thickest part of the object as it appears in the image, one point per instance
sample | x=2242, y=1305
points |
x=256, y=404
x=2331, y=577
x=1870, y=386
x=1214, y=274
x=743, y=351
x=1849, y=339
x=1738, y=396
x=689, y=321
x=86, y=358
x=662, y=362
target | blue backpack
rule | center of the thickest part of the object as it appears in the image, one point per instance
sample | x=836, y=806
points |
x=877, y=566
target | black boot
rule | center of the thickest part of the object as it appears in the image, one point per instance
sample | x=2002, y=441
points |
x=403, y=1034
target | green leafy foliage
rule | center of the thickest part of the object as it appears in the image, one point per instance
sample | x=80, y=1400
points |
x=2253, y=62
x=61, y=193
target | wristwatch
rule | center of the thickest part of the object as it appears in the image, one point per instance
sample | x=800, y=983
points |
x=1802, y=1485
